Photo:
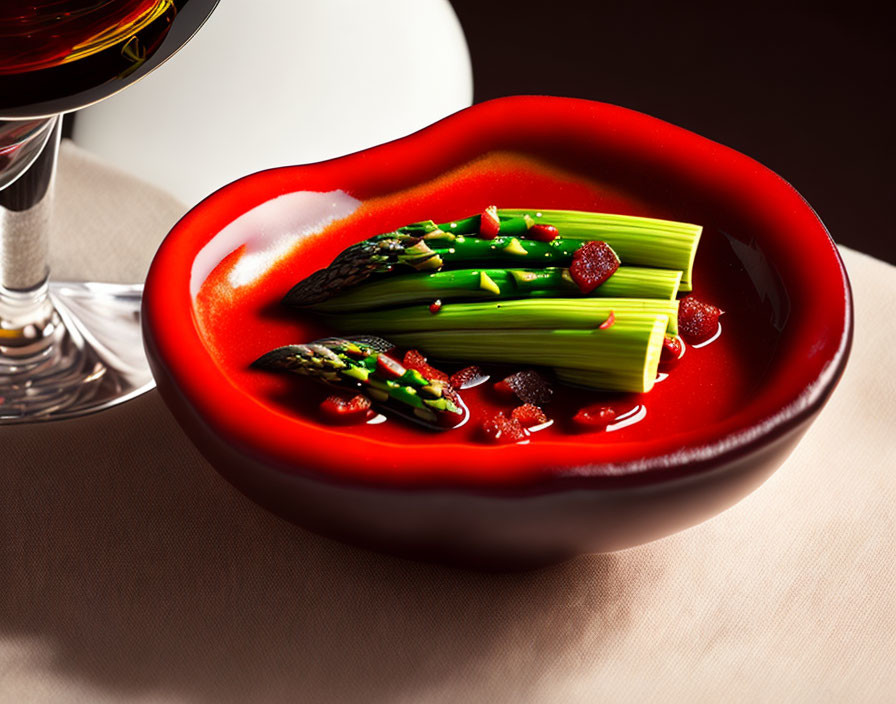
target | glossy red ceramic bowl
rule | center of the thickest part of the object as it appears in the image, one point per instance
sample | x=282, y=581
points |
x=712, y=434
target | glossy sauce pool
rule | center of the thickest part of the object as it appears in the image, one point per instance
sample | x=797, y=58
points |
x=241, y=323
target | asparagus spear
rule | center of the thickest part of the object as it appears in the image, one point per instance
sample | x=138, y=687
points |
x=361, y=364
x=531, y=314
x=426, y=246
x=650, y=242
x=623, y=357
x=384, y=254
x=480, y=284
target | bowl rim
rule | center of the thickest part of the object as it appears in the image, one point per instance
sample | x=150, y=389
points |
x=183, y=365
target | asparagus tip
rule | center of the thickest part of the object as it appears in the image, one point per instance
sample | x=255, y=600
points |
x=277, y=358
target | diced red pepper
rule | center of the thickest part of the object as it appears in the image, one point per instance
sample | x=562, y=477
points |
x=466, y=377
x=435, y=306
x=609, y=322
x=338, y=409
x=489, y=223
x=503, y=430
x=592, y=264
x=671, y=354
x=595, y=417
x=529, y=415
x=697, y=321
x=542, y=233
x=388, y=368
x=414, y=360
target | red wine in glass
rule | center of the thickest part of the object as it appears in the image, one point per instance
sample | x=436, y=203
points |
x=67, y=349
x=60, y=55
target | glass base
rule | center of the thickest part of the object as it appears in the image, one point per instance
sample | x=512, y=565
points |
x=85, y=354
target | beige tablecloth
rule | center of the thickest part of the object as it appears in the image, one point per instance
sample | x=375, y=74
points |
x=129, y=571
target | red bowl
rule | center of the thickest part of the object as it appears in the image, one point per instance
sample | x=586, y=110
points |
x=713, y=437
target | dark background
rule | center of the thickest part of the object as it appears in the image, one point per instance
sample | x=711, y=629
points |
x=807, y=91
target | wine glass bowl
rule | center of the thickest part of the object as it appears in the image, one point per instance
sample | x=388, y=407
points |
x=67, y=348
x=20, y=143
x=62, y=55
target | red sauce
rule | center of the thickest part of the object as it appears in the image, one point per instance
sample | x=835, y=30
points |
x=709, y=383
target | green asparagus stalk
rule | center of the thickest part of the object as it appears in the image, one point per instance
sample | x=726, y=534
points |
x=534, y=313
x=359, y=364
x=642, y=241
x=623, y=357
x=592, y=379
x=427, y=247
x=435, y=250
x=476, y=284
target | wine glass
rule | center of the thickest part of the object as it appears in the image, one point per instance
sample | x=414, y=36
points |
x=67, y=349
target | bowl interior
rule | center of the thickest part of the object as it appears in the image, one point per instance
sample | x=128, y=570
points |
x=764, y=258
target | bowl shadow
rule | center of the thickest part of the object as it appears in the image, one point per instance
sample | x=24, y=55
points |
x=141, y=570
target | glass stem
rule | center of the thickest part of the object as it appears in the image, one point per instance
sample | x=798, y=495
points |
x=26, y=201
